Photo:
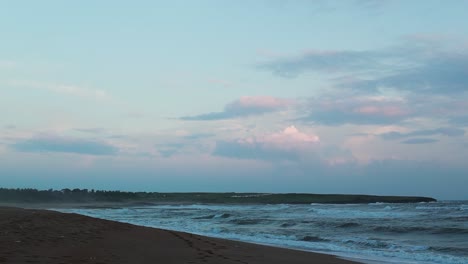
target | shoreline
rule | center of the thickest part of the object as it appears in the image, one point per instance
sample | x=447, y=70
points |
x=46, y=236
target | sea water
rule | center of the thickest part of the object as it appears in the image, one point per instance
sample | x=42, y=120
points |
x=375, y=233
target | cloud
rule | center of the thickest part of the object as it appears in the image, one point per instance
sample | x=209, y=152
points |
x=460, y=120
x=169, y=149
x=243, y=150
x=371, y=4
x=420, y=64
x=339, y=117
x=65, y=145
x=245, y=106
x=356, y=110
x=445, y=131
x=290, y=144
x=66, y=89
x=185, y=143
x=446, y=75
x=95, y=130
x=198, y=136
x=320, y=61
x=419, y=141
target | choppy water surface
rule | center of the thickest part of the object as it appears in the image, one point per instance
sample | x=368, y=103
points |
x=397, y=233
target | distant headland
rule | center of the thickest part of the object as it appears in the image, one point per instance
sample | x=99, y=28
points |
x=85, y=196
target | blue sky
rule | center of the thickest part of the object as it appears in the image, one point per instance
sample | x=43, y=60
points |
x=359, y=96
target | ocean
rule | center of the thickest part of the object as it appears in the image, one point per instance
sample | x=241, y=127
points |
x=374, y=233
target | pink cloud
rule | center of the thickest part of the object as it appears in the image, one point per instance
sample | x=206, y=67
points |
x=358, y=110
x=390, y=111
x=260, y=102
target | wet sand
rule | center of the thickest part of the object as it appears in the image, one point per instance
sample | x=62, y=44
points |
x=41, y=236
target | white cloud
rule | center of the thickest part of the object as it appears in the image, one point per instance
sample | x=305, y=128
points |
x=289, y=144
x=290, y=137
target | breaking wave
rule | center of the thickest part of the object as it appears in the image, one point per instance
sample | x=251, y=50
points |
x=434, y=233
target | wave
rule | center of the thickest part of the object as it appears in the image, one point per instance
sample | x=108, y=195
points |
x=224, y=215
x=450, y=230
x=246, y=221
x=313, y=239
x=453, y=250
x=372, y=243
x=443, y=206
x=212, y=216
x=204, y=217
x=457, y=219
x=348, y=225
x=348, y=213
x=288, y=224
x=411, y=229
x=361, y=230
x=400, y=229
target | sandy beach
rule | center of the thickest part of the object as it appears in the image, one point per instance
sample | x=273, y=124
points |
x=41, y=236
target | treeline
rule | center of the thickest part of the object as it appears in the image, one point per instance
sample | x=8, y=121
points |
x=29, y=195
x=90, y=196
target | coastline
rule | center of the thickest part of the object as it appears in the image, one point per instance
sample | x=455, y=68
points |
x=43, y=236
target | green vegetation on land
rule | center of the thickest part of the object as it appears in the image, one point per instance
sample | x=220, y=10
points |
x=92, y=196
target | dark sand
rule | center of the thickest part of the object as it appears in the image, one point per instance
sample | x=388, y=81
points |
x=40, y=236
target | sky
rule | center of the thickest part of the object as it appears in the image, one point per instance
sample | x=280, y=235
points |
x=355, y=96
